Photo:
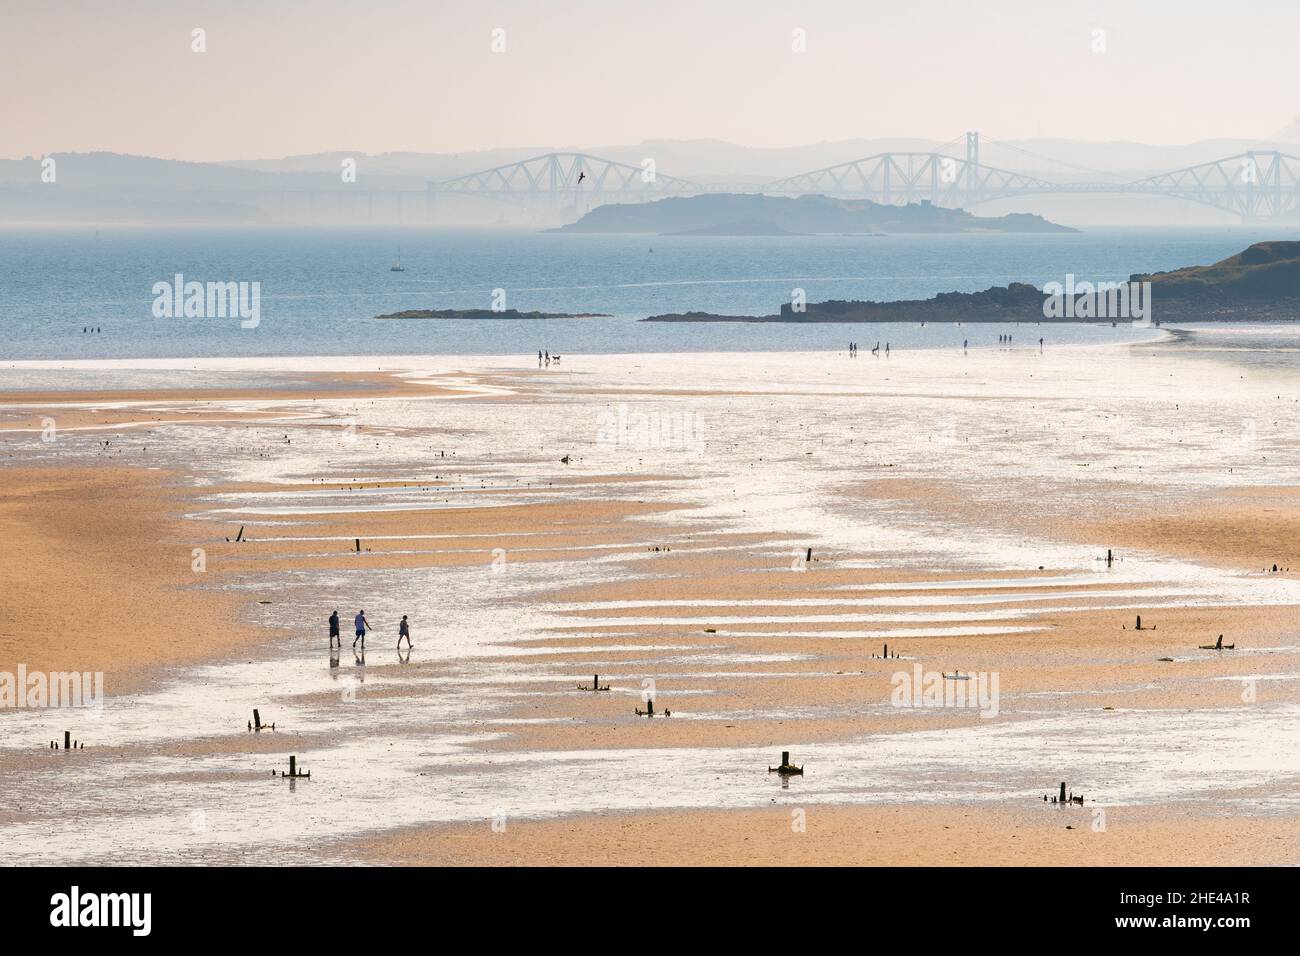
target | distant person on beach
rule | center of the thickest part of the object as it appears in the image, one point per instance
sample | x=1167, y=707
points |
x=404, y=631
x=539, y=358
x=334, y=629
x=362, y=625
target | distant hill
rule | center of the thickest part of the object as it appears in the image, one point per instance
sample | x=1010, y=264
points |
x=711, y=160
x=1265, y=271
x=103, y=186
x=751, y=214
x=1259, y=283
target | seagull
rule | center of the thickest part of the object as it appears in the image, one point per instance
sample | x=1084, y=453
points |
x=581, y=176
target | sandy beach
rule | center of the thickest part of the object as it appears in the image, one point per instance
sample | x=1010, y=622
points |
x=649, y=519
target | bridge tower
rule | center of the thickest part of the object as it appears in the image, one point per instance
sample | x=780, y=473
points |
x=972, y=165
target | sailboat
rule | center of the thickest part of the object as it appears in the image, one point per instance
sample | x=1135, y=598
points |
x=397, y=264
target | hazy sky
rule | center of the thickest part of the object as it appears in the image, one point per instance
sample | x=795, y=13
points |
x=283, y=76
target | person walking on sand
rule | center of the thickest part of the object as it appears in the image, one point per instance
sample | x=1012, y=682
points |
x=362, y=625
x=334, y=629
x=404, y=631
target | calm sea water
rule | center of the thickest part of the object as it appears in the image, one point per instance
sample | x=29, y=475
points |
x=322, y=287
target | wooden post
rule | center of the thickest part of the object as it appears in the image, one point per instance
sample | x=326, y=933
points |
x=808, y=557
x=785, y=758
x=67, y=740
x=257, y=720
x=1218, y=645
x=1062, y=800
x=241, y=533
x=1109, y=557
x=358, y=540
x=650, y=708
x=1139, y=624
x=595, y=682
x=293, y=767
x=886, y=652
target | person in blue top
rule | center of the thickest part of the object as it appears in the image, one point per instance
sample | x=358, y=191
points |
x=362, y=624
x=404, y=631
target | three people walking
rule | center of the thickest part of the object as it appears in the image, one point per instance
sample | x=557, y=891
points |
x=363, y=625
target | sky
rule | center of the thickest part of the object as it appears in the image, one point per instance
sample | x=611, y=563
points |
x=284, y=77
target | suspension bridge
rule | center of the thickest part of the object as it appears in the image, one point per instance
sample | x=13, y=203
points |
x=1255, y=185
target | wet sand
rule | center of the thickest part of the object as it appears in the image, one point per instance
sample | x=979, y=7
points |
x=97, y=566
x=668, y=554
x=858, y=836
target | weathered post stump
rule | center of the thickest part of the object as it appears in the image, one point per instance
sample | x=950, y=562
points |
x=787, y=769
x=294, y=773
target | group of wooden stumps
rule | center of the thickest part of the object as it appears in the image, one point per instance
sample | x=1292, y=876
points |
x=256, y=726
x=1067, y=799
x=1063, y=800
x=1137, y=625
x=649, y=712
x=786, y=769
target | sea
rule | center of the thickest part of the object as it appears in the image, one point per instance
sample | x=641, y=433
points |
x=88, y=292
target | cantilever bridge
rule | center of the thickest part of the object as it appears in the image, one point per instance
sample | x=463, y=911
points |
x=1254, y=185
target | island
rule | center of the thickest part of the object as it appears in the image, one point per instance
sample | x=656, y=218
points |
x=745, y=214
x=1260, y=283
